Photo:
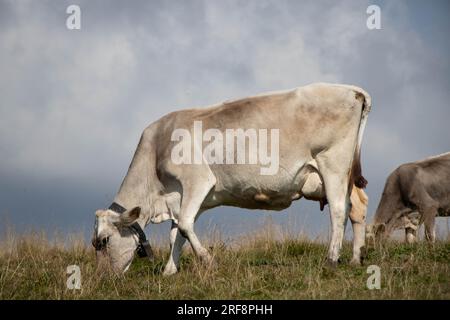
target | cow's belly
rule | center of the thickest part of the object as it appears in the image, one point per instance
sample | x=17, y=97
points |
x=251, y=197
x=245, y=188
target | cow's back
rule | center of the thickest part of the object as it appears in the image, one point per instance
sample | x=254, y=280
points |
x=434, y=174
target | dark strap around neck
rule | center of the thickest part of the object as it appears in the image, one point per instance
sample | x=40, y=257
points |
x=144, y=249
x=117, y=208
x=137, y=228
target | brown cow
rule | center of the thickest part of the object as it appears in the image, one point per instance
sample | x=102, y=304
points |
x=414, y=193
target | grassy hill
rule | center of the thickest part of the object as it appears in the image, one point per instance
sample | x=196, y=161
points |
x=263, y=268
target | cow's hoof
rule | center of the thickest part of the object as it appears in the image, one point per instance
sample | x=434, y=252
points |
x=329, y=268
x=356, y=262
x=331, y=264
x=208, y=261
x=169, y=271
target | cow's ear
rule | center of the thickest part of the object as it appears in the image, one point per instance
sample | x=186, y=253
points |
x=130, y=216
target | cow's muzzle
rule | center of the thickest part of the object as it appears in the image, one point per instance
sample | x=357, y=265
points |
x=100, y=244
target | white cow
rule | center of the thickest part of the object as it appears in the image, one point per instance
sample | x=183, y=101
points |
x=314, y=152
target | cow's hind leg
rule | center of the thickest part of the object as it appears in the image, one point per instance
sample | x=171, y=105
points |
x=358, y=241
x=358, y=225
x=336, y=188
x=339, y=208
x=357, y=215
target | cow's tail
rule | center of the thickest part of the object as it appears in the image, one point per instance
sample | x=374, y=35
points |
x=357, y=176
x=359, y=202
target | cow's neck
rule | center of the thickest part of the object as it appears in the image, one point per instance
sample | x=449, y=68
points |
x=137, y=188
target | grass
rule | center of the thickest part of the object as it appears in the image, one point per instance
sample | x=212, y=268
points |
x=31, y=267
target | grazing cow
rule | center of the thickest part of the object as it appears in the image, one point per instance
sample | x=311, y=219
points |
x=320, y=129
x=414, y=193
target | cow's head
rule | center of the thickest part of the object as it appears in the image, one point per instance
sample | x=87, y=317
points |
x=114, y=240
x=401, y=220
x=375, y=232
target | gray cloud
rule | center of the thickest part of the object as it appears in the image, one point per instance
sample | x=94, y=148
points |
x=73, y=103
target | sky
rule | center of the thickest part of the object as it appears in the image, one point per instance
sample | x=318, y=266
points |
x=73, y=103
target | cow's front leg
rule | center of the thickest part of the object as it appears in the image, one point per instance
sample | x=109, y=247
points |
x=186, y=227
x=428, y=216
x=194, y=193
x=176, y=245
x=430, y=230
x=428, y=208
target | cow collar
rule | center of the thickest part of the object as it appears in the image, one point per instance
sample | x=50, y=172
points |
x=144, y=249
